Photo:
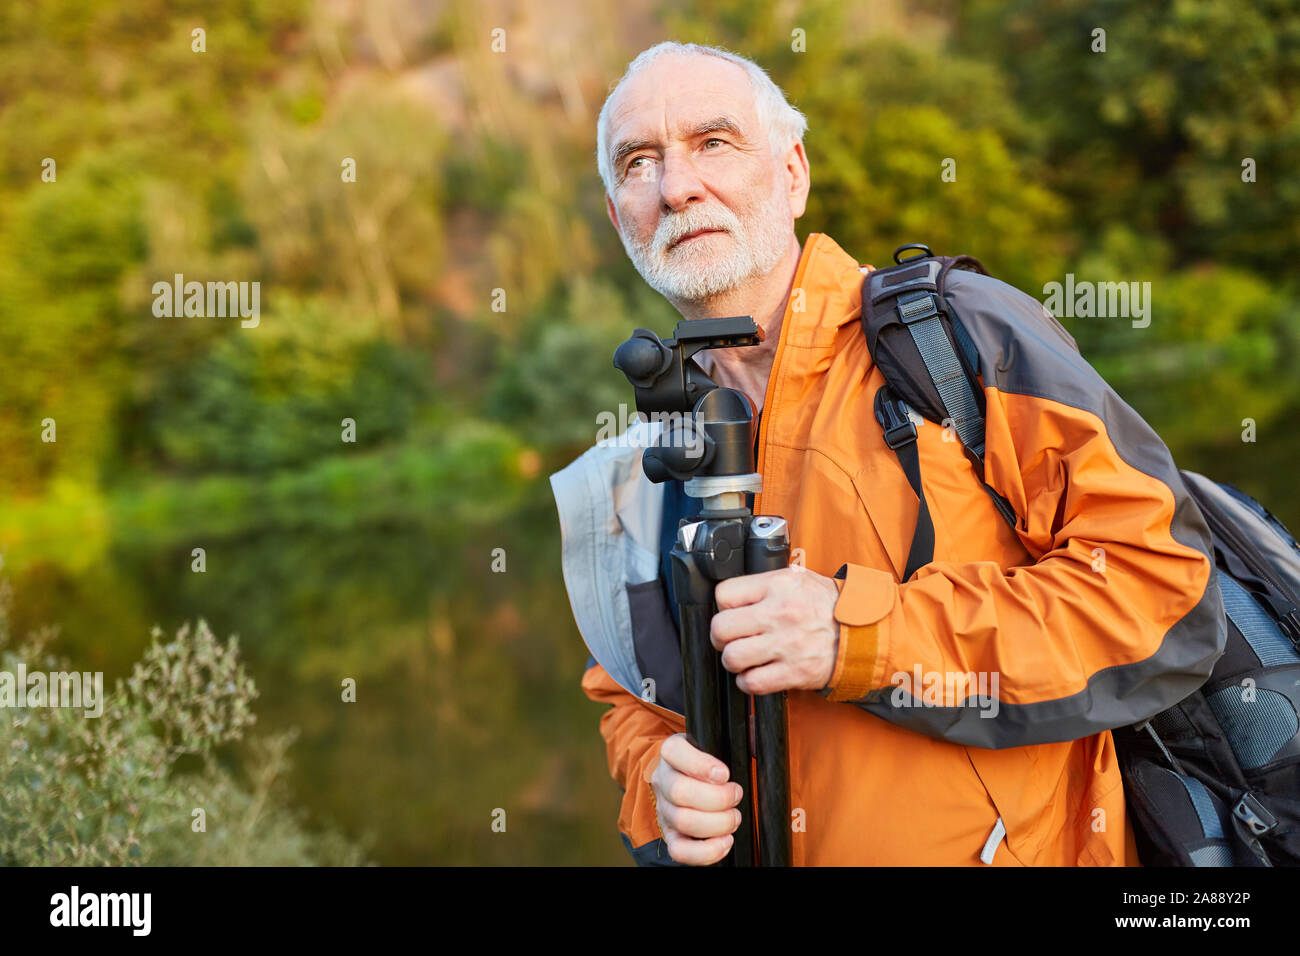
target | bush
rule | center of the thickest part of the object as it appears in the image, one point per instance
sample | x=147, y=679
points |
x=123, y=788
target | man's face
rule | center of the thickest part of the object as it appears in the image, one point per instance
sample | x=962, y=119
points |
x=699, y=200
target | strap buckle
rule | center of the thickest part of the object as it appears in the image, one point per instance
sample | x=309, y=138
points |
x=1251, y=812
x=917, y=306
x=898, y=425
x=1289, y=621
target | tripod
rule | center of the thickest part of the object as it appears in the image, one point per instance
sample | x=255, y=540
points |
x=707, y=443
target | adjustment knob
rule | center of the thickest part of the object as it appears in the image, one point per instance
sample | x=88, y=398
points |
x=642, y=358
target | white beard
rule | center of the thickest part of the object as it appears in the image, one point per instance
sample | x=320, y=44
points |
x=710, y=265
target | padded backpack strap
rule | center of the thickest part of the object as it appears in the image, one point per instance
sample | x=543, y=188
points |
x=919, y=312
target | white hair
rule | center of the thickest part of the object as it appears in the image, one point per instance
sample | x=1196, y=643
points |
x=785, y=125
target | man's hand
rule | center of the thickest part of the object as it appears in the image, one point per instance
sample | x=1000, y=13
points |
x=777, y=630
x=694, y=803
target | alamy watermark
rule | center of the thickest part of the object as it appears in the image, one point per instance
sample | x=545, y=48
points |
x=130, y=910
x=214, y=300
x=678, y=430
x=1085, y=300
x=79, y=689
x=946, y=689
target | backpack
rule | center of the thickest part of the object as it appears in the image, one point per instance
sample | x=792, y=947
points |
x=1215, y=779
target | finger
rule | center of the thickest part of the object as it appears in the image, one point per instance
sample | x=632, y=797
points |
x=735, y=623
x=683, y=791
x=767, y=679
x=747, y=652
x=693, y=852
x=681, y=755
x=701, y=825
x=746, y=589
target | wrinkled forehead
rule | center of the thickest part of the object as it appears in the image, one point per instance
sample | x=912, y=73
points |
x=674, y=94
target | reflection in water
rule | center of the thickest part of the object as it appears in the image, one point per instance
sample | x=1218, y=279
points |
x=467, y=696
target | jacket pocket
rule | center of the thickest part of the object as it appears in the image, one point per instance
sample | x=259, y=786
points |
x=1006, y=834
x=657, y=646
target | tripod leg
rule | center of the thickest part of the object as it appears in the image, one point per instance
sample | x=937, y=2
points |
x=773, y=747
x=742, y=851
x=705, y=726
x=767, y=548
x=717, y=716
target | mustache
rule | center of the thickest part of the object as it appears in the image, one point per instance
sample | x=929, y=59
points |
x=671, y=230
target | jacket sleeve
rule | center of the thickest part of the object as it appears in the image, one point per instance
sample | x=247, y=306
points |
x=633, y=733
x=1119, y=618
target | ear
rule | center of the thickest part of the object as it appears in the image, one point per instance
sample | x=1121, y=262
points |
x=613, y=215
x=796, y=168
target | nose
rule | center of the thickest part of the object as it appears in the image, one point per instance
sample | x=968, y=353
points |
x=680, y=184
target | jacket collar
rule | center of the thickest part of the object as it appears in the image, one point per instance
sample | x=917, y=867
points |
x=825, y=295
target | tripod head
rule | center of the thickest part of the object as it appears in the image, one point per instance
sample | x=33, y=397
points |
x=707, y=440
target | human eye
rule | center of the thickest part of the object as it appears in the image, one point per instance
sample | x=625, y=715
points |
x=634, y=164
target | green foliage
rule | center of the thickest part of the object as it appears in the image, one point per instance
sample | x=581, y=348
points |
x=79, y=74
x=1152, y=132
x=471, y=472
x=464, y=473
x=62, y=251
x=373, y=241
x=557, y=377
x=885, y=185
x=120, y=788
x=1219, y=348
x=276, y=396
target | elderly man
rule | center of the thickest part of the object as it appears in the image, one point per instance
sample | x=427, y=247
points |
x=705, y=173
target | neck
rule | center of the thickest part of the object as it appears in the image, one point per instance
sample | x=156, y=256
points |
x=747, y=369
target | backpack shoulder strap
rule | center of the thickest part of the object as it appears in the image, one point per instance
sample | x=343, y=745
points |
x=930, y=364
x=920, y=313
x=894, y=416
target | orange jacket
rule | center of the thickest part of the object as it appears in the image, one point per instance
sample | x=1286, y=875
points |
x=1098, y=611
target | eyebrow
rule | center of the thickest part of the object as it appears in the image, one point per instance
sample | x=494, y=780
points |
x=718, y=124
